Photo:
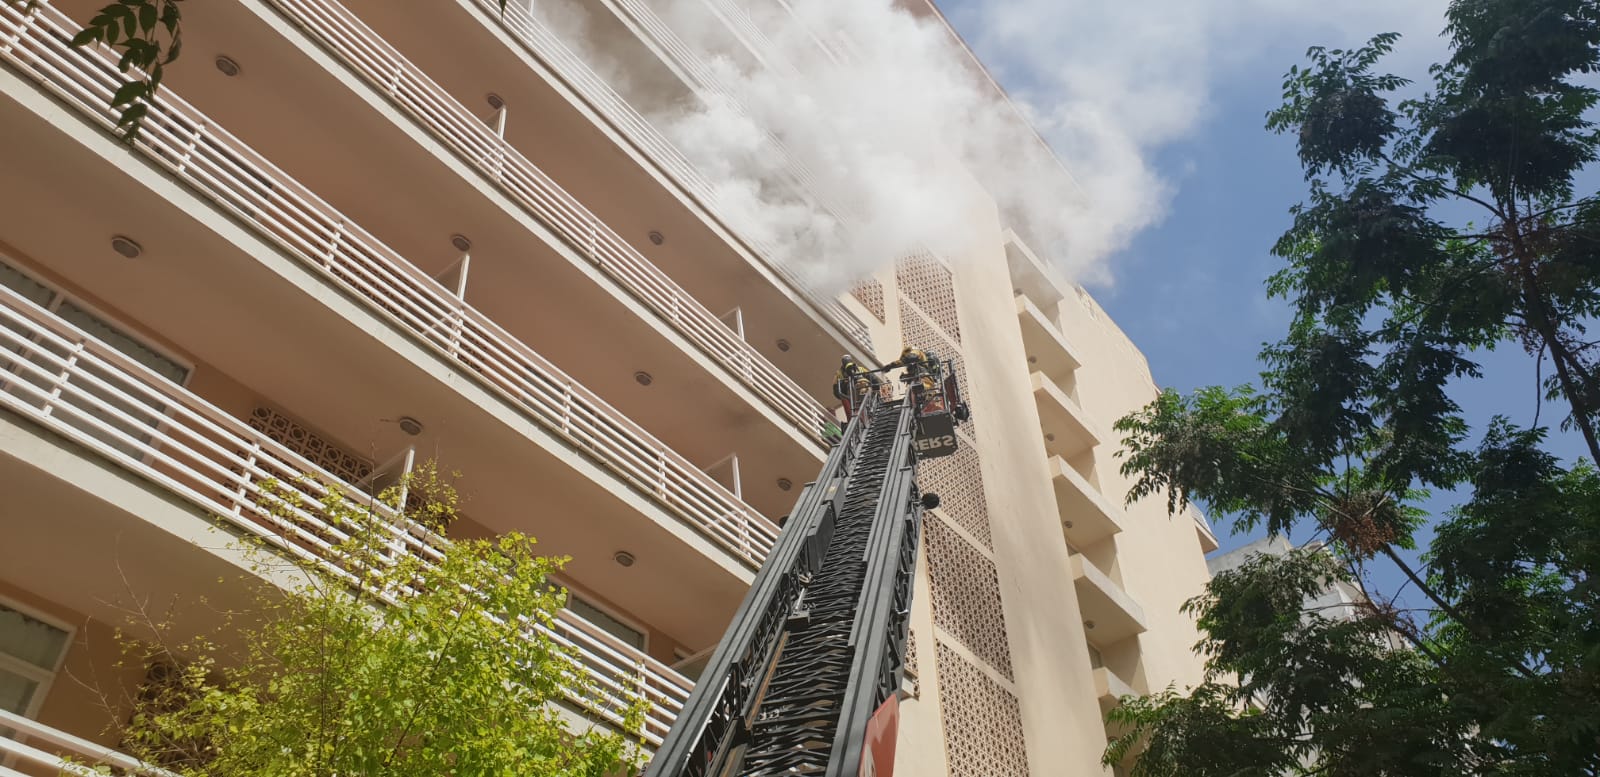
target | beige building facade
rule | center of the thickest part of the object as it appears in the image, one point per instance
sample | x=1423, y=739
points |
x=354, y=237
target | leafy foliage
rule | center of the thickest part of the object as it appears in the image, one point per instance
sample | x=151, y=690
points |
x=1394, y=294
x=386, y=664
x=1315, y=694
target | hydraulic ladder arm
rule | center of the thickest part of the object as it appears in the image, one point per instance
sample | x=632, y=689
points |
x=819, y=642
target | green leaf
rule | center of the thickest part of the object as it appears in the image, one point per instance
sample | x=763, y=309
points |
x=128, y=92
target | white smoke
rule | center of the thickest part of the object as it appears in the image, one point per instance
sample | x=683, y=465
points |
x=890, y=127
x=891, y=122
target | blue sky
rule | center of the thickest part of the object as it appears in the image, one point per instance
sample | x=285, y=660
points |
x=1188, y=289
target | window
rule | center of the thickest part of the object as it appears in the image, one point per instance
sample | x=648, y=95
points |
x=606, y=623
x=105, y=408
x=30, y=653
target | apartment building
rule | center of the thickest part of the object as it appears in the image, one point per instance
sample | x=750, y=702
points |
x=354, y=236
x=1340, y=600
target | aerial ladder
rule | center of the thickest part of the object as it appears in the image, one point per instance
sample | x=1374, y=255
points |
x=805, y=680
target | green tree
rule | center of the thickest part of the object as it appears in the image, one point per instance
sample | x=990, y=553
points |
x=392, y=661
x=1436, y=227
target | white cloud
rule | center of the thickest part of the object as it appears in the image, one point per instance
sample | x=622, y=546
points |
x=1111, y=83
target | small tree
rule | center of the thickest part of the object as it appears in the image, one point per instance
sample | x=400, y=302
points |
x=394, y=660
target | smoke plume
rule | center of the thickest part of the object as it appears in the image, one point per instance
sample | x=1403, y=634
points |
x=891, y=123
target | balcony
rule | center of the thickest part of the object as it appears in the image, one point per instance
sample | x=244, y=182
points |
x=553, y=276
x=1029, y=274
x=1067, y=431
x=344, y=330
x=1202, y=529
x=1109, y=689
x=571, y=124
x=45, y=750
x=1109, y=614
x=1087, y=517
x=410, y=89
x=1048, y=351
x=102, y=401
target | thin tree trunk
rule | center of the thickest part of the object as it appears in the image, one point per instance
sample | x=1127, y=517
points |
x=1438, y=601
x=1544, y=323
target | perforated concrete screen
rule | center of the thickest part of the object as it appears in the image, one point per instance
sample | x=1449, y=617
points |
x=966, y=595
x=870, y=294
x=930, y=285
x=296, y=437
x=960, y=489
x=982, y=721
x=981, y=717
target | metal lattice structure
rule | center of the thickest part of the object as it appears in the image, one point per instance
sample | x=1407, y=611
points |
x=819, y=642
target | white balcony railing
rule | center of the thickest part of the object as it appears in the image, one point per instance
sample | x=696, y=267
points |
x=46, y=750
x=410, y=89
x=547, y=47
x=221, y=168
x=61, y=378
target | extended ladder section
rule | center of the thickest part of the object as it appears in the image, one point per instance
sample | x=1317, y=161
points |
x=819, y=643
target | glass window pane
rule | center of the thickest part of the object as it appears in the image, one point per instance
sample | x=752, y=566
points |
x=14, y=279
x=30, y=640
x=120, y=340
x=136, y=418
x=15, y=692
x=606, y=623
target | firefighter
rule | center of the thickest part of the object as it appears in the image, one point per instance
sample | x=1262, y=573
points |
x=920, y=369
x=850, y=384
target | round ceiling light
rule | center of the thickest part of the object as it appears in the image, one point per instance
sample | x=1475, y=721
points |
x=126, y=246
x=410, y=425
x=643, y=378
x=623, y=558
x=784, y=484
x=495, y=101
x=461, y=242
x=783, y=345
x=657, y=238
x=227, y=66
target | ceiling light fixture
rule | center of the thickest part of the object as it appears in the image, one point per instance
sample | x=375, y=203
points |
x=623, y=558
x=409, y=425
x=227, y=66
x=657, y=237
x=126, y=246
x=495, y=101
x=784, y=484
x=461, y=242
x=643, y=377
x=783, y=345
